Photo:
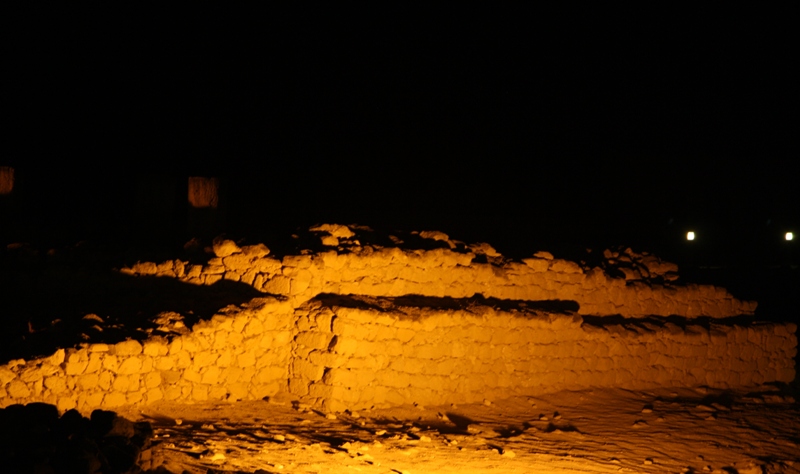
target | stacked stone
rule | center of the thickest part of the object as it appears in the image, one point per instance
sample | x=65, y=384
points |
x=345, y=351
x=236, y=356
x=444, y=272
x=639, y=266
x=371, y=357
x=313, y=352
x=358, y=352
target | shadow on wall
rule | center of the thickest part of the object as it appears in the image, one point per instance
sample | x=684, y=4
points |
x=47, y=307
x=388, y=303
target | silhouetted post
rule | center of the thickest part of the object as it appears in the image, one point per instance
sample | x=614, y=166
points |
x=6, y=206
x=6, y=180
x=205, y=211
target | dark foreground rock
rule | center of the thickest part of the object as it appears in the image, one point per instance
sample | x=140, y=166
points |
x=34, y=439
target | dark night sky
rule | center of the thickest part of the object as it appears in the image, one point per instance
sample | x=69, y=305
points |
x=492, y=125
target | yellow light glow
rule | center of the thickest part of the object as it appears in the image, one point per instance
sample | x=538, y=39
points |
x=690, y=235
x=789, y=236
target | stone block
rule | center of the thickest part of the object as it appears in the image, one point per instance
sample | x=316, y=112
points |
x=238, y=391
x=153, y=395
x=324, y=359
x=172, y=393
x=345, y=346
x=131, y=365
x=68, y=403
x=217, y=393
x=58, y=356
x=128, y=348
x=95, y=362
x=247, y=374
x=18, y=389
x=56, y=384
x=104, y=380
x=247, y=359
x=298, y=387
x=199, y=392
x=77, y=362
x=277, y=285
x=232, y=276
x=300, y=282
x=152, y=380
x=297, y=261
x=393, y=379
x=339, y=377
x=282, y=338
x=182, y=360
x=6, y=376
x=253, y=328
x=34, y=373
x=115, y=399
x=315, y=340
x=164, y=363
x=395, y=398
x=175, y=345
x=192, y=375
x=93, y=401
x=204, y=359
x=170, y=377
x=155, y=348
x=270, y=375
x=212, y=278
x=88, y=381
x=123, y=384
x=134, y=398
x=319, y=390
x=211, y=375
x=259, y=391
x=224, y=359
x=306, y=370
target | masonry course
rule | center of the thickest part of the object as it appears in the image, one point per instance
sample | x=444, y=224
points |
x=378, y=327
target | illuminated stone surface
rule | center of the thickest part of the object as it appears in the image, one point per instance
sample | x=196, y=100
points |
x=444, y=272
x=383, y=326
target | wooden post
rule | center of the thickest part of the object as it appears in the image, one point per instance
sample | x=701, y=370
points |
x=203, y=192
x=6, y=180
x=206, y=210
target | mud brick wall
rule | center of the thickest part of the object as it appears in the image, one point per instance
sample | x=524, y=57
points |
x=242, y=355
x=355, y=358
x=443, y=272
x=359, y=352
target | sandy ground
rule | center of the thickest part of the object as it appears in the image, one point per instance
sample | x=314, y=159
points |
x=594, y=431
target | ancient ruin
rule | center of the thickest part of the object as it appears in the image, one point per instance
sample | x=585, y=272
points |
x=353, y=325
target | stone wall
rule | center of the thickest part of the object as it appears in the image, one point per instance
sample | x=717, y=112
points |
x=243, y=355
x=361, y=353
x=363, y=326
x=442, y=272
x=344, y=352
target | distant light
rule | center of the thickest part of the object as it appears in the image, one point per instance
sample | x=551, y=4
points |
x=789, y=236
x=690, y=235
